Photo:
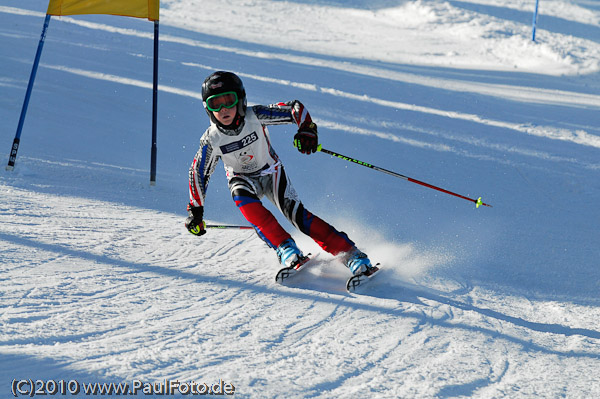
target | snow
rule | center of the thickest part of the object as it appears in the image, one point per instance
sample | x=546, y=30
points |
x=102, y=283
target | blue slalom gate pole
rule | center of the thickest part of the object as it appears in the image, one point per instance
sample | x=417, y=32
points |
x=535, y=14
x=15, y=147
x=153, y=149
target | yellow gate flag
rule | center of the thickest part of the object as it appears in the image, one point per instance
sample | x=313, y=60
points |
x=128, y=8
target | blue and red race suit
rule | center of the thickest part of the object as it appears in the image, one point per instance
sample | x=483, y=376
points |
x=254, y=170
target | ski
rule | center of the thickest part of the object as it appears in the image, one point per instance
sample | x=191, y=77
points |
x=286, y=273
x=361, y=279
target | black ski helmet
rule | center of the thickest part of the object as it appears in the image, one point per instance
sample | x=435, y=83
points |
x=221, y=82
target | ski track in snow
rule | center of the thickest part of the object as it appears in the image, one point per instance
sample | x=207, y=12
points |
x=578, y=136
x=129, y=295
x=100, y=282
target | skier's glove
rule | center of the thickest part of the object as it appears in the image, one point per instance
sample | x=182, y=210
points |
x=194, y=222
x=307, y=139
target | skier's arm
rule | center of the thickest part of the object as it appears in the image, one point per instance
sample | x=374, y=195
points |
x=283, y=113
x=202, y=167
x=306, y=140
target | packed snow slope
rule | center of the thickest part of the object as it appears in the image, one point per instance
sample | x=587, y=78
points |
x=100, y=281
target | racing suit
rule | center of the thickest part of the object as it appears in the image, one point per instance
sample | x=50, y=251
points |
x=254, y=171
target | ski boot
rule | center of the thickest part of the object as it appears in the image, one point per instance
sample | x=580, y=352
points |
x=358, y=262
x=288, y=253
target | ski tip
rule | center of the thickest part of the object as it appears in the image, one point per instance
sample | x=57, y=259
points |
x=358, y=280
x=351, y=285
x=284, y=274
x=287, y=272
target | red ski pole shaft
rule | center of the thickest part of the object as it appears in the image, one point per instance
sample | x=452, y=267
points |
x=477, y=201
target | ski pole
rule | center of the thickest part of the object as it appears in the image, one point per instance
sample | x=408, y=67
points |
x=477, y=201
x=223, y=226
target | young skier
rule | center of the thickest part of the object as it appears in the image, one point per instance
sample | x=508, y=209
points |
x=238, y=135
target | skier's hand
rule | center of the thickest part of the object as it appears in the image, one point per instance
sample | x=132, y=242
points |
x=307, y=139
x=194, y=222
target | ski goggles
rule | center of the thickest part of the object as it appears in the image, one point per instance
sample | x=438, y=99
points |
x=215, y=103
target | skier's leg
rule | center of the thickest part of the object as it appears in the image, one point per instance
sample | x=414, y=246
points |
x=333, y=241
x=286, y=199
x=247, y=200
x=324, y=234
x=282, y=194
